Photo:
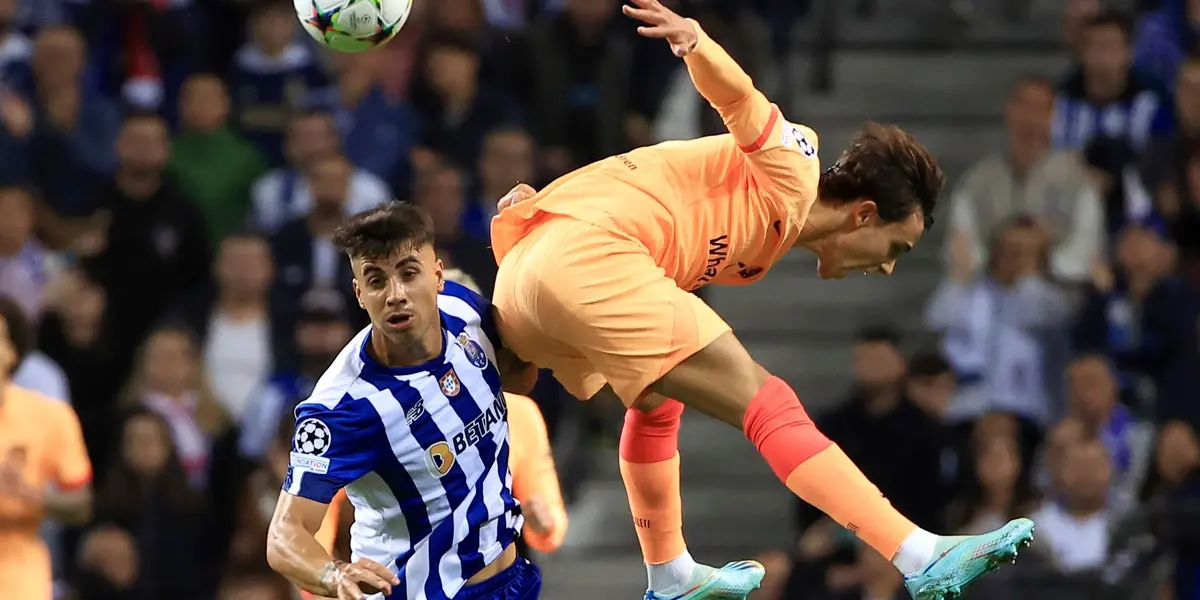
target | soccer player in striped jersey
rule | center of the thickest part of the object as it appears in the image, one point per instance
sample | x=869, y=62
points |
x=411, y=421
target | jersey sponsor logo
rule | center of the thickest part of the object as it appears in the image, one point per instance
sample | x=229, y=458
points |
x=475, y=354
x=479, y=427
x=718, y=253
x=312, y=438
x=451, y=386
x=793, y=137
x=439, y=459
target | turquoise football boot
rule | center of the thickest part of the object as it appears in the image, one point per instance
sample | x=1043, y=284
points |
x=967, y=558
x=733, y=581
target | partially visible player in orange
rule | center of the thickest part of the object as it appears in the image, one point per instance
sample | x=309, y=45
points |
x=44, y=471
x=535, y=479
x=594, y=281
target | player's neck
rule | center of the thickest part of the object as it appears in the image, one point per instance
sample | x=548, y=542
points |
x=406, y=353
x=823, y=220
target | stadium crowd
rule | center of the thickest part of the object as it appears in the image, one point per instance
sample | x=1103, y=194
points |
x=170, y=173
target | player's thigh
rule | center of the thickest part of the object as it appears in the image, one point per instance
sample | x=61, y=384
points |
x=605, y=296
x=720, y=380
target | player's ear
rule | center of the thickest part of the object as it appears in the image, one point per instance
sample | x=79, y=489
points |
x=864, y=212
x=358, y=293
x=440, y=271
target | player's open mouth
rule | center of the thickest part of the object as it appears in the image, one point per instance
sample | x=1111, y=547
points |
x=399, y=321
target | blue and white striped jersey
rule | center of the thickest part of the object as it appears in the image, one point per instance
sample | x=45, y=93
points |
x=421, y=451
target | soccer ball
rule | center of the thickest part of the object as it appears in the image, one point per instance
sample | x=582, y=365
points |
x=352, y=25
x=312, y=438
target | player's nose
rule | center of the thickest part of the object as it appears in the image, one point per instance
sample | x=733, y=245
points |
x=887, y=267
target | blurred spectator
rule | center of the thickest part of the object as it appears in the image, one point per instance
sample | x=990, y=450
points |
x=147, y=494
x=458, y=112
x=896, y=444
x=1075, y=529
x=1171, y=168
x=1029, y=178
x=23, y=268
x=143, y=220
x=32, y=370
x=1062, y=437
x=1092, y=402
x=15, y=49
x=442, y=192
x=76, y=333
x=507, y=159
x=168, y=379
x=377, y=133
x=320, y=334
x=1106, y=95
x=243, y=328
x=993, y=326
x=999, y=489
x=1113, y=168
x=213, y=166
x=1142, y=317
x=273, y=74
x=582, y=71
x=284, y=194
x=70, y=149
x=108, y=566
x=304, y=256
x=1165, y=37
x=1178, y=470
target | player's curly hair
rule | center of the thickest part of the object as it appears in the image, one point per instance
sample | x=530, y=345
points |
x=384, y=230
x=890, y=167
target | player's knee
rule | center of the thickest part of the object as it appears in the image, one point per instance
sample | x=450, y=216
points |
x=665, y=416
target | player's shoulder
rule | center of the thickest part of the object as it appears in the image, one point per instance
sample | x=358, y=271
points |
x=462, y=302
x=33, y=401
x=521, y=405
x=801, y=138
x=340, y=393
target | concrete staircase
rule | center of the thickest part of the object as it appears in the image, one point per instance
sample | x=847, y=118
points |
x=943, y=82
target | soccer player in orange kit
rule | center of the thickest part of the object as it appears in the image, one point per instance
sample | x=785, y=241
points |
x=594, y=280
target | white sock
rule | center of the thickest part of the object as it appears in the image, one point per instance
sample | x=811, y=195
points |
x=672, y=577
x=916, y=551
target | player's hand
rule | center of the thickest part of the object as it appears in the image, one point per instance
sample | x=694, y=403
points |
x=537, y=515
x=662, y=23
x=357, y=580
x=520, y=193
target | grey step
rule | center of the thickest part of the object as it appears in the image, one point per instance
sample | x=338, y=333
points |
x=958, y=145
x=934, y=33
x=878, y=72
x=902, y=105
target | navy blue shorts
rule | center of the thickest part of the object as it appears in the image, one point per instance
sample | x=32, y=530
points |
x=521, y=581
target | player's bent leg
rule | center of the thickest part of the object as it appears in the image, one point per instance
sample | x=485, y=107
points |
x=723, y=381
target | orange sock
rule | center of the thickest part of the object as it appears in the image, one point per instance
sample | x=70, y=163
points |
x=650, y=469
x=818, y=471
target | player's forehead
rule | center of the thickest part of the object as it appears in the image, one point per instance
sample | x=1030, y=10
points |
x=401, y=255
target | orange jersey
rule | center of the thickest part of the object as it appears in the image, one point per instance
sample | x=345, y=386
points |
x=532, y=466
x=41, y=441
x=328, y=533
x=718, y=209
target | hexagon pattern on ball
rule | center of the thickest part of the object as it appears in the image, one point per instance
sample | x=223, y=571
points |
x=352, y=25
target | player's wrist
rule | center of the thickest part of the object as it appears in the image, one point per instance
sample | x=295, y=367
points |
x=330, y=575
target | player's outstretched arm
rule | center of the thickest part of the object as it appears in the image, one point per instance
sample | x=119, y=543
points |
x=747, y=113
x=535, y=478
x=294, y=552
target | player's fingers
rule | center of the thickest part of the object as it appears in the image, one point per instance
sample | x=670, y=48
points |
x=641, y=14
x=366, y=579
x=644, y=3
x=380, y=571
x=523, y=192
x=349, y=591
x=653, y=32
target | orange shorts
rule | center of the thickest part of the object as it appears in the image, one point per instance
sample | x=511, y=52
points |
x=594, y=307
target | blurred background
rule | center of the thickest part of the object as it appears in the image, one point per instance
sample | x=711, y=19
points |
x=170, y=171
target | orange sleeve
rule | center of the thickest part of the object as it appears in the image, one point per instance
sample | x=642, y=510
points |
x=327, y=534
x=71, y=469
x=535, y=475
x=783, y=152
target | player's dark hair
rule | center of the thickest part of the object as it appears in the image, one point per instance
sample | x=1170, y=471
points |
x=888, y=166
x=384, y=230
x=1112, y=18
x=20, y=329
x=928, y=364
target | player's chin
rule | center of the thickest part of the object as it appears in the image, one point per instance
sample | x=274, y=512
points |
x=828, y=270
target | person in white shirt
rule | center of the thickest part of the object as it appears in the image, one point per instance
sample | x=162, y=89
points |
x=285, y=194
x=1075, y=529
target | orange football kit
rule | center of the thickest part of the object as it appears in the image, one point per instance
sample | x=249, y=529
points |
x=42, y=443
x=594, y=283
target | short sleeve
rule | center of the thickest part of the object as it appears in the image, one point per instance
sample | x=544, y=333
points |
x=71, y=467
x=332, y=448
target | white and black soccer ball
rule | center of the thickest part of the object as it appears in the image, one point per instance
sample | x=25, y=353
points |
x=312, y=438
x=352, y=25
